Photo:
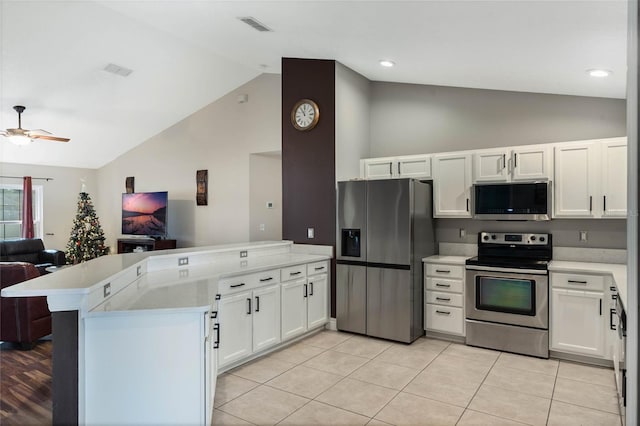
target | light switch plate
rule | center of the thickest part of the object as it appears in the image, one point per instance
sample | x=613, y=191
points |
x=311, y=233
x=583, y=235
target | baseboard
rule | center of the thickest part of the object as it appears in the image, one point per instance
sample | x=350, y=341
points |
x=445, y=336
x=584, y=359
x=332, y=325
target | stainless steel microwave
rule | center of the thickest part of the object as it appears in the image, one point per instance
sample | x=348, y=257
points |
x=512, y=201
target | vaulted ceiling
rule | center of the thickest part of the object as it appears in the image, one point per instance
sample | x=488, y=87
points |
x=186, y=54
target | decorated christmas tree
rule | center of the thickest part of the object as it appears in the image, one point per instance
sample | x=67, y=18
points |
x=87, y=239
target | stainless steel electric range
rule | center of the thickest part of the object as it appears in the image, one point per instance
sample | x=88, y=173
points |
x=507, y=293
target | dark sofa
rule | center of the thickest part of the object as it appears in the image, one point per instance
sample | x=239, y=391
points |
x=23, y=320
x=31, y=250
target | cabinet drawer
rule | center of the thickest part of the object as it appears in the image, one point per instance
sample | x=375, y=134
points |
x=443, y=284
x=271, y=276
x=318, y=268
x=447, y=299
x=578, y=281
x=445, y=271
x=293, y=272
x=444, y=319
x=235, y=284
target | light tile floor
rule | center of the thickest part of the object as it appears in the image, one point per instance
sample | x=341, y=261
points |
x=335, y=378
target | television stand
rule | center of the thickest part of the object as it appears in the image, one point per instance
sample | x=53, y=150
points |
x=131, y=245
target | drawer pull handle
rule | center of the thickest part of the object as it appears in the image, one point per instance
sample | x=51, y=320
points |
x=295, y=273
x=443, y=285
x=319, y=268
x=236, y=285
x=443, y=271
x=443, y=312
x=446, y=299
x=577, y=282
x=262, y=280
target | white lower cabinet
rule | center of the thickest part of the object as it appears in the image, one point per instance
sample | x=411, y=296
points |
x=305, y=305
x=578, y=322
x=580, y=314
x=294, y=308
x=249, y=322
x=444, y=298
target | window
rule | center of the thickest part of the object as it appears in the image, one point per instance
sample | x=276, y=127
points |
x=11, y=211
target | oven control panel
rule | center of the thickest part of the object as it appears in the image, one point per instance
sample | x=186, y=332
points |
x=513, y=238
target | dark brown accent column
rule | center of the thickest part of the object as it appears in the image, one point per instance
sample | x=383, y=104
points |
x=308, y=158
x=65, y=368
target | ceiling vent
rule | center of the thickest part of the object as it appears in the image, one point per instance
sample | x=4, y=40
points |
x=118, y=70
x=255, y=24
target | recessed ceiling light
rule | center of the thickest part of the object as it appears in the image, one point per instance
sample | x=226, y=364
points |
x=387, y=63
x=599, y=73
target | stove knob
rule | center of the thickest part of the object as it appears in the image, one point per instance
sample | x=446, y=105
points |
x=542, y=239
x=486, y=237
x=493, y=237
x=533, y=238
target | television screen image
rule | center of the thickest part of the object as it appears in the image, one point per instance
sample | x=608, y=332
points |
x=145, y=213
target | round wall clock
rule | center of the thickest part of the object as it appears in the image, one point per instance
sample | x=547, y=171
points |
x=305, y=114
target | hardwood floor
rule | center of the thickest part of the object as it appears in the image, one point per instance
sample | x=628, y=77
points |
x=25, y=384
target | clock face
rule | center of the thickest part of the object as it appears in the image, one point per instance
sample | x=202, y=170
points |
x=305, y=115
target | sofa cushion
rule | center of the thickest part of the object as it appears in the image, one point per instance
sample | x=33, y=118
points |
x=17, y=247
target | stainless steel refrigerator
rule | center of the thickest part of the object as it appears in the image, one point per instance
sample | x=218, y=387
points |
x=385, y=228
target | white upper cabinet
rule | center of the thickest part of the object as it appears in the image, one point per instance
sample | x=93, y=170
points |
x=614, y=178
x=452, y=185
x=408, y=166
x=590, y=179
x=531, y=163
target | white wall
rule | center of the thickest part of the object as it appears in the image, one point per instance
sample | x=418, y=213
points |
x=60, y=196
x=219, y=138
x=265, y=224
x=417, y=119
x=353, y=99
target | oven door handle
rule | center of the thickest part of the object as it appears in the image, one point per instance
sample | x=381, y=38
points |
x=506, y=270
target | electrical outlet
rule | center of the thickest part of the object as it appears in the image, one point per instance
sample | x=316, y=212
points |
x=138, y=270
x=243, y=253
x=243, y=263
x=583, y=235
x=183, y=273
x=463, y=232
x=106, y=289
x=311, y=233
x=261, y=227
x=182, y=261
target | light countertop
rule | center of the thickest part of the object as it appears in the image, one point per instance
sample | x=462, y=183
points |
x=448, y=260
x=617, y=271
x=183, y=288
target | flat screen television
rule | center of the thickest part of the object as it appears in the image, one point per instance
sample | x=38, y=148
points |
x=145, y=213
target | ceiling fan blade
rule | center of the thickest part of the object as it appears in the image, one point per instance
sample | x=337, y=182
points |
x=49, y=138
x=39, y=132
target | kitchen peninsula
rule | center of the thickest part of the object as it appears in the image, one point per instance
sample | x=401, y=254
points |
x=136, y=336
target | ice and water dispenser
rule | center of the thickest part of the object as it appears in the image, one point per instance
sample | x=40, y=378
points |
x=351, y=243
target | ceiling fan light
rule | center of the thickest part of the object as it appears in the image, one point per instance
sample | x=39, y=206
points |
x=20, y=140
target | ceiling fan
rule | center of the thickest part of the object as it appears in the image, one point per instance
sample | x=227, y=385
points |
x=22, y=136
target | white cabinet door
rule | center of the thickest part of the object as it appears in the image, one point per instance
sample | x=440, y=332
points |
x=318, y=301
x=532, y=163
x=577, y=322
x=576, y=174
x=266, y=317
x=614, y=178
x=490, y=166
x=452, y=185
x=378, y=168
x=294, y=308
x=414, y=166
x=235, y=328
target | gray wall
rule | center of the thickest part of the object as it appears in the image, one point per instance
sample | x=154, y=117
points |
x=265, y=185
x=417, y=119
x=601, y=233
x=353, y=100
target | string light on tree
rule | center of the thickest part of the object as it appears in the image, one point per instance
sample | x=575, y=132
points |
x=87, y=238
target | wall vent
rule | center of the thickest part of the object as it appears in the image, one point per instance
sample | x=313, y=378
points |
x=118, y=70
x=254, y=23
